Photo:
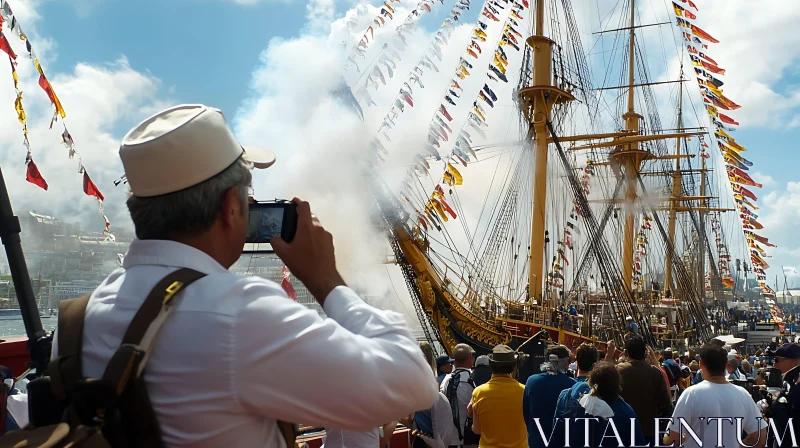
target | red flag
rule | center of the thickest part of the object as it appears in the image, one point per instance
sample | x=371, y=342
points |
x=713, y=68
x=697, y=31
x=35, y=177
x=287, y=285
x=727, y=119
x=688, y=14
x=444, y=112
x=691, y=4
x=707, y=58
x=6, y=47
x=90, y=188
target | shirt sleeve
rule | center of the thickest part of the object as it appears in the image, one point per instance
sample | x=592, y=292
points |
x=357, y=369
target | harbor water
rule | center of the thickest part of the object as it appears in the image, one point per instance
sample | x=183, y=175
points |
x=15, y=327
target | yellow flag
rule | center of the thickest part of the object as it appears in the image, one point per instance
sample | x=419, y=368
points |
x=439, y=209
x=448, y=178
x=456, y=175
x=14, y=75
x=732, y=143
x=20, y=111
x=724, y=134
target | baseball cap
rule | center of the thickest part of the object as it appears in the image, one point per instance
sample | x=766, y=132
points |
x=790, y=351
x=462, y=352
x=443, y=360
x=181, y=147
x=482, y=360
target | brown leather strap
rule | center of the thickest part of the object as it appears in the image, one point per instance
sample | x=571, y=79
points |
x=158, y=297
x=124, y=363
x=67, y=368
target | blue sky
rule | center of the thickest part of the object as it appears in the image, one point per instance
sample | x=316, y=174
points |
x=209, y=51
x=205, y=50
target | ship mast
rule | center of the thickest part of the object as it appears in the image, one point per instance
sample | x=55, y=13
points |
x=630, y=156
x=701, y=269
x=677, y=179
x=541, y=97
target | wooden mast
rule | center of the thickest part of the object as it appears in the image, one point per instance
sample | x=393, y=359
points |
x=538, y=101
x=630, y=157
x=701, y=269
x=677, y=191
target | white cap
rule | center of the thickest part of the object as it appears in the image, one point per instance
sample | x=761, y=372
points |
x=628, y=318
x=182, y=147
x=482, y=360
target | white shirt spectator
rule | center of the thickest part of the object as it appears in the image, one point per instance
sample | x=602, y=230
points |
x=701, y=401
x=236, y=354
x=444, y=431
x=343, y=438
x=464, y=395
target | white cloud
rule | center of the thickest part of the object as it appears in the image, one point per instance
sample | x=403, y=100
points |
x=765, y=179
x=97, y=99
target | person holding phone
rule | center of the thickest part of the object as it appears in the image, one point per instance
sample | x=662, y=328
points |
x=271, y=357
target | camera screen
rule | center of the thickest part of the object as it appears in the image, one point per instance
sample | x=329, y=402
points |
x=265, y=222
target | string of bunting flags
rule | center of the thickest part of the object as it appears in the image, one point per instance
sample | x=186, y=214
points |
x=390, y=54
x=413, y=80
x=436, y=209
x=33, y=174
x=706, y=70
x=555, y=278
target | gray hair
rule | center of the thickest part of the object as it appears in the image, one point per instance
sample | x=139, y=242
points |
x=190, y=211
x=555, y=366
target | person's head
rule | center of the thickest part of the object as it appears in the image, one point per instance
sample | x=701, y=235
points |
x=746, y=366
x=427, y=353
x=787, y=357
x=635, y=347
x=189, y=180
x=556, y=359
x=731, y=365
x=444, y=364
x=463, y=356
x=586, y=357
x=667, y=354
x=482, y=360
x=503, y=360
x=713, y=359
x=694, y=366
x=605, y=381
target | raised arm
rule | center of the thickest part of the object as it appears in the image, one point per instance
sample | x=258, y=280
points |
x=355, y=370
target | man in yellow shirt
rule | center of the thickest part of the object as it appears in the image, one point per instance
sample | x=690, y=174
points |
x=496, y=407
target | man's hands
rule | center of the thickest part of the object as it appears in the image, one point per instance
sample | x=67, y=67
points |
x=310, y=255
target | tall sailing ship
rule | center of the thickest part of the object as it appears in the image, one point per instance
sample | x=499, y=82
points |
x=578, y=209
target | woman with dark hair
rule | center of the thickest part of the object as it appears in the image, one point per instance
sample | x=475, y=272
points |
x=604, y=402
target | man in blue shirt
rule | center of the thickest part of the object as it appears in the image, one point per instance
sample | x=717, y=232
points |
x=444, y=366
x=541, y=394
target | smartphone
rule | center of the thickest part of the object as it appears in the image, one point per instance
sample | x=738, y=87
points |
x=269, y=219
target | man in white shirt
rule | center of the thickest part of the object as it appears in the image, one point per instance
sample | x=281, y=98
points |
x=463, y=358
x=271, y=357
x=715, y=407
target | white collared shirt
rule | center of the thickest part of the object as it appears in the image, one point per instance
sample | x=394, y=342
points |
x=236, y=354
